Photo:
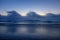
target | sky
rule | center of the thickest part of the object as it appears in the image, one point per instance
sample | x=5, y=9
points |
x=41, y=7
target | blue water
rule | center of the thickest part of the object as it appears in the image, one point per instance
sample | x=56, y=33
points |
x=29, y=31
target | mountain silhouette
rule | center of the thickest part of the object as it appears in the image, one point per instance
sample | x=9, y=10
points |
x=13, y=16
x=52, y=17
x=33, y=16
x=13, y=13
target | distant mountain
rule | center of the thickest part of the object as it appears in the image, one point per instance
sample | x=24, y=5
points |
x=33, y=16
x=52, y=17
x=13, y=16
x=13, y=13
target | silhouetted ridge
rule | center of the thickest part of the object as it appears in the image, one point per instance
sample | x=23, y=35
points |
x=50, y=14
x=13, y=16
x=52, y=17
x=13, y=13
x=33, y=16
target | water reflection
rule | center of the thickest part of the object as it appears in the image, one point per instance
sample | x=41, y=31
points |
x=41, y=30
x=21, y=29
x=32, y=29
x=3, y=29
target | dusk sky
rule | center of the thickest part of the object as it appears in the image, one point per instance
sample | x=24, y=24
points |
x=41, y=7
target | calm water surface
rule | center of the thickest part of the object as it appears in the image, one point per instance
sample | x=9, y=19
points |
x=32, y=30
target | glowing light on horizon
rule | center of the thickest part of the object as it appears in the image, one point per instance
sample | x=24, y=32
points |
x=3, y=13
x=24, y=13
